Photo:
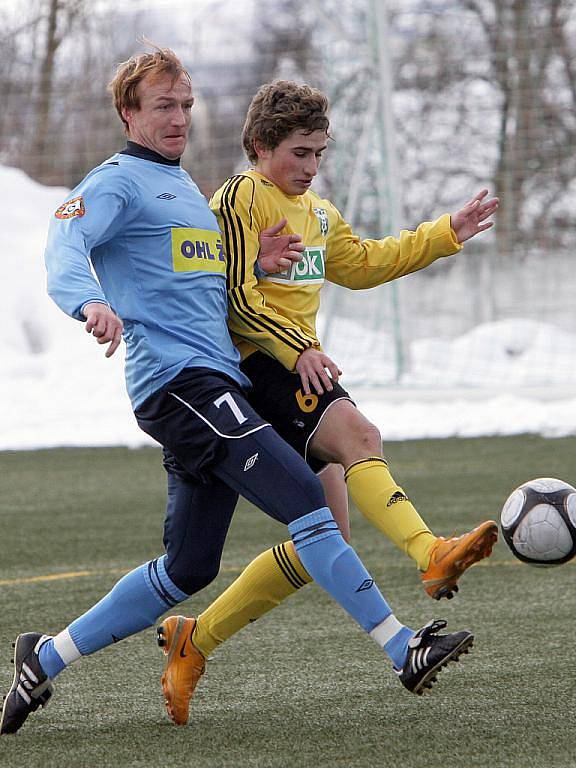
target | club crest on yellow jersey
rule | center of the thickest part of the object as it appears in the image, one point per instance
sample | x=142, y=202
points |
x=309, y=270
x=322, y=217
x=197, y=250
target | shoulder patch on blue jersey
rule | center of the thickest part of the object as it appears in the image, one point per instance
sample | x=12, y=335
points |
x=71, y=208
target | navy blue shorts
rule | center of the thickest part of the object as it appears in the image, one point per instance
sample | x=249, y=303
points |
x=278, y=397
x=195, y=415
x=215, y=448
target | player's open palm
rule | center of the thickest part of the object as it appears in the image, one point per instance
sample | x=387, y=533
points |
x=474, y=216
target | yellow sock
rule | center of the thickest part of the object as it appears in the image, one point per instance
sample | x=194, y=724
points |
x=386, y=506
x=263, y=584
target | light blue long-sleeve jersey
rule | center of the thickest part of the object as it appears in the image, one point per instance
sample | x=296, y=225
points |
x=157, y=252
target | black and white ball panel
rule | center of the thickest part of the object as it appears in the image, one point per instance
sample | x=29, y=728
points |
x=538, y=522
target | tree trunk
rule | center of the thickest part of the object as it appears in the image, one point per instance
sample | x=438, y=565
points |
x=41, y=159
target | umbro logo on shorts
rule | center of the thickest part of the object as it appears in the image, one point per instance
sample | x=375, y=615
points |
x=250, y=462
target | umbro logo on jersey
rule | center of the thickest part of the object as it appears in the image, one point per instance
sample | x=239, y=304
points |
x=366, y=584
x=396, y=497
x=250, y=462
x=165, y=196
x=266, y=183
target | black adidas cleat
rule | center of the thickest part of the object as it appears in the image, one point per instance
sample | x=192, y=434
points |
x=429, y=652
x=31, y=687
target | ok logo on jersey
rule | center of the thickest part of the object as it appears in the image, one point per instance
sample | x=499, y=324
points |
x=309, y=270
x=311, y=267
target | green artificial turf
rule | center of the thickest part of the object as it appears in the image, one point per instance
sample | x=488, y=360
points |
x=303, y=686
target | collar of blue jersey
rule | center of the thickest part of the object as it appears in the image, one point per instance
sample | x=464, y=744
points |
x=137, y=150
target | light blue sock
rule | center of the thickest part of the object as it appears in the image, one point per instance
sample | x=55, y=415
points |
x=134, y=603
x=50, y=660
x=397, y=646
x=336, y=567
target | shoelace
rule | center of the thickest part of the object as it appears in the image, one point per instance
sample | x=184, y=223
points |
x=430, y=629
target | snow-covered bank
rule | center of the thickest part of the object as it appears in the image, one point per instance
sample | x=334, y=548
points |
x=56, y=387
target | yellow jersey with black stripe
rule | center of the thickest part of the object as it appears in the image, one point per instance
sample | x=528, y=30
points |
x=277, y=313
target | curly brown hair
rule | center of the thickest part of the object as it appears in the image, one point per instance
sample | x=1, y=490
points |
x=278, y=109
x=160, y=62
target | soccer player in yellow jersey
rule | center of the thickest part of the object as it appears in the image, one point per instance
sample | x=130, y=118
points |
x=272, y=317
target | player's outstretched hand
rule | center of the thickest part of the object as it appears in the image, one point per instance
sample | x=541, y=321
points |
x=278, y=252
x=104, y=325
x=472, y=218
x=313, y=367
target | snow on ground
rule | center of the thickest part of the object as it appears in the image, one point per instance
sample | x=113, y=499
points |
x=56, y=387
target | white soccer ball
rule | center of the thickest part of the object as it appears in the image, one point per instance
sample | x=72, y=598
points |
x=538, y=522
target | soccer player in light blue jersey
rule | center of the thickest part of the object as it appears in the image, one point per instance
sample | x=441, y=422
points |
x=141, y=223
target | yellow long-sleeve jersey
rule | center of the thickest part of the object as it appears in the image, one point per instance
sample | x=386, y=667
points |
x=277, y=313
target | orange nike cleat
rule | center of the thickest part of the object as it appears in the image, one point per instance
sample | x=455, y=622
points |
x=449, y=558
x=184, y=666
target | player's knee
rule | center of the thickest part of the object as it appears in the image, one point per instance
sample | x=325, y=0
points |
x=374, y=439
x=193, y=577
x=356, y=439
x=367, y=440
